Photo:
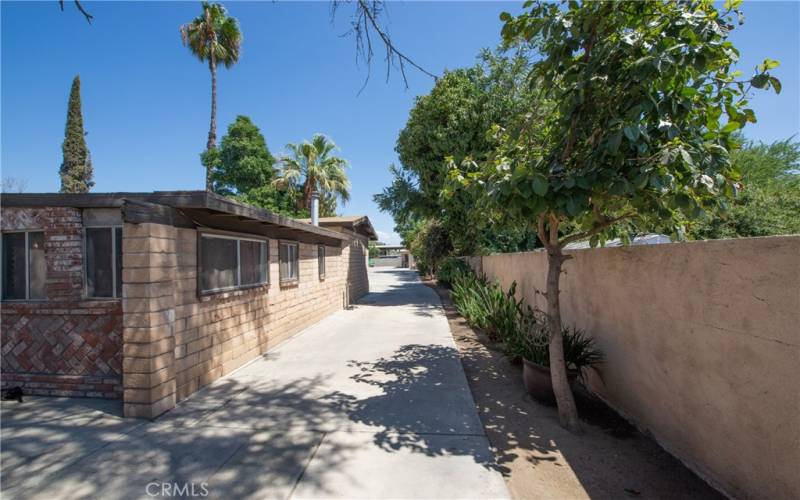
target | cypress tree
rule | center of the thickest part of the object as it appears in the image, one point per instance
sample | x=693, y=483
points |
x=76, y=168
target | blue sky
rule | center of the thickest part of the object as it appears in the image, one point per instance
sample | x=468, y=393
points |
x=146, y=99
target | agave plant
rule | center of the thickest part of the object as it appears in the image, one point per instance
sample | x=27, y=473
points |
x=579, y=349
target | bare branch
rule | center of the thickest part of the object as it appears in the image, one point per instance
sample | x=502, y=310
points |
x=80, y=7
x=366, y=20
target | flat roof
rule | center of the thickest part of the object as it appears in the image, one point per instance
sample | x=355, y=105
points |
x=355, y=222
x=184, y=208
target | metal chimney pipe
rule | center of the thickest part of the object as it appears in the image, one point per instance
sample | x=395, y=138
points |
x=315, y=208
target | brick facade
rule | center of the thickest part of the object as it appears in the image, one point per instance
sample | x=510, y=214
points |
x=63, y=345
x=162, y=341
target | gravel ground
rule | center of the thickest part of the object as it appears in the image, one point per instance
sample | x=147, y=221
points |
x=540, y=459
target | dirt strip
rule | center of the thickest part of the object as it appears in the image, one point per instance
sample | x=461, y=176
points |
x=540, y=459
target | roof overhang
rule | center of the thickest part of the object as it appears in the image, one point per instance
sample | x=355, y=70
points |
x=356, y=223
x=195, y=209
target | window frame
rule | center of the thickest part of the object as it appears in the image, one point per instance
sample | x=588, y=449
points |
x=322, y=255
x=238, y=238
x=27, y=264
x=114, y=251
x=289, y=281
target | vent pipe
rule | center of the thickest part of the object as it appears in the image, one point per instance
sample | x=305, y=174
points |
x=315, y=208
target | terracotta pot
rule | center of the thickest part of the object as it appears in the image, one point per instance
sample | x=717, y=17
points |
x=538, y=383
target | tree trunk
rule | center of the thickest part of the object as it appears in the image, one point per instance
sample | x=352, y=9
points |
x=567, y=411
x=307, y=189
x=212, y=131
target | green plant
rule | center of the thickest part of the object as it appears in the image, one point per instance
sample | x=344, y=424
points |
x=523, y=330
x=430, y=244
x=451, y=121
x=245, y=162
x=449, y=269
x=639, y=102
x=213, y=37
x=310, y=167
x=485, y=305
x=466, y=298
x=76, y=168
x=768, y=202
x=579, y=349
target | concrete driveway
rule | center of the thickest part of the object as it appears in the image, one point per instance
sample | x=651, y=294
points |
x=371, y=402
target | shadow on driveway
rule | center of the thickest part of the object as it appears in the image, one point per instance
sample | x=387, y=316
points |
x=370, y=402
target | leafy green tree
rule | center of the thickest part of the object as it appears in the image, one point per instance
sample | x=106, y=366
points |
x=451, y=123
x=76, y=168
x=373, y=250
x=312, y=166
x=213, y=37
x=274, y=200
x=245, y=162
x=243, y=169
x=646, y=103
x=768, y=200
x=430, y=245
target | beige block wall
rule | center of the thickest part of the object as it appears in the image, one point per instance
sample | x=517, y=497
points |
x=702, y=345
x=176, y=342
x=149, y=266
x=357, y=256
x=216, y=334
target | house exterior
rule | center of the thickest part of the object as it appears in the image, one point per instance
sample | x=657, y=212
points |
x=148, y=297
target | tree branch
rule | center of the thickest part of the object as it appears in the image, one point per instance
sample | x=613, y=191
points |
x=594, y=230
x=365, y=20
x=553, y=230
x=77, y=3
x=541, y=232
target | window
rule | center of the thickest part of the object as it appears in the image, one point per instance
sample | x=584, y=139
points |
x=104, y=262
x=24, y=267
x=321, y=260
x=289, y=262
x=228, y=262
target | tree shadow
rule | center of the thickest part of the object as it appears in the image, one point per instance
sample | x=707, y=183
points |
x=423, y=397
x=610, y=460
x=220, y=440
x=254, y=433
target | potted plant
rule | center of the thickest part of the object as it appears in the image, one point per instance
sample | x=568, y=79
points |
x=532, y=346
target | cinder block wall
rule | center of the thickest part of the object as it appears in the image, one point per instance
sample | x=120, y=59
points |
x=356, y=253
x=702, y=347
x=176, y=341
x=63, y=345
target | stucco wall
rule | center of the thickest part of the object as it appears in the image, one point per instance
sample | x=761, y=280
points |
x=702, y=345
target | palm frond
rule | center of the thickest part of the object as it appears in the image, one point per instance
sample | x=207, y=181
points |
x=213, y=31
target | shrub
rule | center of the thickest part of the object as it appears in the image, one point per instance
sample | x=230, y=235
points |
x=485, y=305
x=579, y=349
x=449, y=269
x=523, y=330
x=466, y=286
x=430, y=245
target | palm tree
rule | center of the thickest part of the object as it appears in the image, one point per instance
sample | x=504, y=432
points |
x=312, y=167
x=213, y=37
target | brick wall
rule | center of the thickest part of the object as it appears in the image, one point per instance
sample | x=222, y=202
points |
x=177, y=342
x=64, y=345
